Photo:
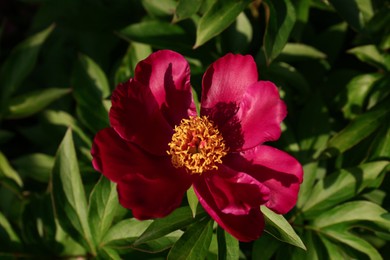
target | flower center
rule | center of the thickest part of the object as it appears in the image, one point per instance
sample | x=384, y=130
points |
x=197, y=145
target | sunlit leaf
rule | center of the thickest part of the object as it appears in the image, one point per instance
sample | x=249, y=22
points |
x=7, y=173
x=19, y=64
x=354, y=242
x=221, y=14
x=280, y=15
x=178, y=219
x=159, y=8
x=195, y=242
x=371, y=55
x=341, y=186
x=186, y=8
x=355, y=213
x=298, y=51
x=103, y=204
x=380, y=147
x=30, y=103
x=357, y=91
x=69, y=196
x=193, y=201
x=277, y=226
x=8, y=236
x=360, y=128
x=125, y=232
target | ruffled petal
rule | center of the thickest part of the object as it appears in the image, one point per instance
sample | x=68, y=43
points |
x=277, y=170
x=227, y=79
x=260, y=113
x=148, y=185
x=235, y=192
x=136, y=117
x=255, y=119
x=167, y=75
x=246, y=227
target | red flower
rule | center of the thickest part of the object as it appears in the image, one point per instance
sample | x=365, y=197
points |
x=157, y=146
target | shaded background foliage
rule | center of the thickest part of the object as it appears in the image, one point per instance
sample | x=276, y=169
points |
x=60, y=61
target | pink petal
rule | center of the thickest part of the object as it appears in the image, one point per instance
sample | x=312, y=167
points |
x=235, y=192
x=167, y=74
x=227, y=79
x=246, y=227
x=277, y=170
x=136, y=117
x=260, y=113
x=147, y=184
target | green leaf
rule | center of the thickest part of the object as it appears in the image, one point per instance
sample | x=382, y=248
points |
x=90, y=87
x=297, y=52
x=195, y=242
x=64, y=119
x=178, y=219
x=280, y=15
x=221, y=14
x=108, y=253
x=159, y=8
x=228, y=246
x=370, y=55
x=357, y=91
x=352, y=214
x=354, y=242
x=9, y=238
x=277, y=226
x=8, y=173
x=19, y=64
x=103, y=204
x=238, y=36
x=30, y=103
x=125, y=232
x=193, y=201
x=349, y=10
x=69, y=196
x=265, y=241
x=335, y=251
x=380, y=147
x=134, y=54
x=37, y=166
x=360, y=128
x=186, y=8
x=159, y=34
x=341, y=186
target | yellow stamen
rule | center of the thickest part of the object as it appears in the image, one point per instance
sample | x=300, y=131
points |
x=197, y=145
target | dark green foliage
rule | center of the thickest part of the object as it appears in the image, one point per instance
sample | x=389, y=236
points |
x=60, y=61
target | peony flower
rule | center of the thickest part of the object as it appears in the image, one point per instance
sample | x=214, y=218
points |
x=157, y=145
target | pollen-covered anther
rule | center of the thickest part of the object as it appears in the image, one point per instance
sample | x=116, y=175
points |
x=197, y=145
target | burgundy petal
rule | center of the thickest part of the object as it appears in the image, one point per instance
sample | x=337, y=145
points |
x=277, y=170
x=147, y=184
x=227, y=79
x=136, y=117
x=246, y=227
x=167, y=74
x=235, y=192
